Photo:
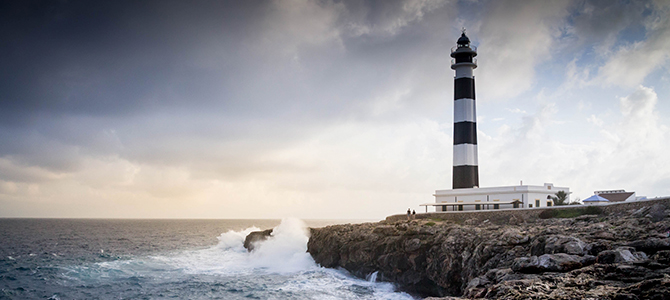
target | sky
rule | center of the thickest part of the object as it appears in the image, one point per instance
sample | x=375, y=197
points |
x=320, y=109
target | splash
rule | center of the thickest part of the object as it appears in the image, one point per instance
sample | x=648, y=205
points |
x=279, y=268
x=286, y=250
x=234, y=240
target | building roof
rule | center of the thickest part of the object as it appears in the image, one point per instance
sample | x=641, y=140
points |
x=470, y=203
x=595, y=198
x=616, y=197
x=515, y=189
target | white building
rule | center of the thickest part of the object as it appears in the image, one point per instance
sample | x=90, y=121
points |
x=521, y=196
x=595, y=200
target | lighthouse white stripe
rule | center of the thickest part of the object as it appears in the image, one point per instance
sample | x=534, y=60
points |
x=464, y=110
x=464, y=71
x=465, y=155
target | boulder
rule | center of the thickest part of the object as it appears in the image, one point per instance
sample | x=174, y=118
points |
x=657, y=213
x=651, y=245
x=559, y=262
x=559, y=244
x=255, y=237
x=620, y=255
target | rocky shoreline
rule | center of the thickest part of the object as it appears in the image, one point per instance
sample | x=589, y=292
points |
x=622, y=255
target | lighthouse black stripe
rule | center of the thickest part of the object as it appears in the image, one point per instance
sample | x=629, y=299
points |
x=465, y=133
x=464, y=88
x=465, y=177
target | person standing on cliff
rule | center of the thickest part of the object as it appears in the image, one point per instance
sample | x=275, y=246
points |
x=413, y=214
x=408, y=214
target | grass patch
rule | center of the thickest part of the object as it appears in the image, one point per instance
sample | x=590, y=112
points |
x=430, y=223
x=570, y=213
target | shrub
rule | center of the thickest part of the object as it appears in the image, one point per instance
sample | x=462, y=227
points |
x=570, y=213
x=593, y=210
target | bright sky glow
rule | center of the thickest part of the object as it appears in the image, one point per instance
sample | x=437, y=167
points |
x=320, y=109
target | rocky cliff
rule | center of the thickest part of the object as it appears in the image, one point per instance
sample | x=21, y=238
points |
x=622, y=255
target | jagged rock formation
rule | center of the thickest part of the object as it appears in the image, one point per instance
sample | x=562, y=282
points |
x=255, y=237
x=617, y=256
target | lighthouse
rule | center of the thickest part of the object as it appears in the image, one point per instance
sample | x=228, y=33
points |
x=466, y=194
x=466, y=172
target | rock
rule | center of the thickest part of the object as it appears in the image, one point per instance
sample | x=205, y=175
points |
x=604, y=234
x=651, y=245
x=470, y=222
x=562, y=244
x=513, y=220
x=537, y=259
x=385, y=230
x=255, y=237
x=657, y=213
x=620, y=255
x=662, y=257
x=514, y=237
x=648, y=289
x=559, y=262
x=640, y=212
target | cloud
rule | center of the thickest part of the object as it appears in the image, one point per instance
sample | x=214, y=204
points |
x=514, y=37
x=627, y=152
x=270, y=109
x=630, y=64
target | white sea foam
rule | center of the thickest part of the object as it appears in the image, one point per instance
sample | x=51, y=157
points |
x=278, y=267
x=286, y=250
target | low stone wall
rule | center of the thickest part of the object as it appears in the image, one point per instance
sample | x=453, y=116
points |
x=503, y=216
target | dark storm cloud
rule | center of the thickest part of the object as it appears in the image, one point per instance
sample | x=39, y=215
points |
x=172, y=82
x=106, y=57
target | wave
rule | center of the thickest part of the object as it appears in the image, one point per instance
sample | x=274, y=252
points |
x=278, y=268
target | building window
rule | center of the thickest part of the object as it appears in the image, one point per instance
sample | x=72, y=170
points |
x=537, y=202
x=460, y=208
x=549, y=203
x=478, y=207
x=530, y=206
x=496, y=206
x=444, y=208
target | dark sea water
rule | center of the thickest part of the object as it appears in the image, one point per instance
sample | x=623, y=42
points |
x=168, y=259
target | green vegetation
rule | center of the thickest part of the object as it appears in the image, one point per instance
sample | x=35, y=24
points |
x=570, y=213
x=430, y=223
x=561, y=198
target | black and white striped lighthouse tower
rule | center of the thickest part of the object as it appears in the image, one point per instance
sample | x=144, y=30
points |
x=466, y=172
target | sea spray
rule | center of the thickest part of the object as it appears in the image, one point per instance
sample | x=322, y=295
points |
x=279, y=268
x=372, y=277
x=234, y=239
x=285, y=250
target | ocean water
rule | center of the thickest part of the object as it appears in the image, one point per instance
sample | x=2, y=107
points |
x=169, y=259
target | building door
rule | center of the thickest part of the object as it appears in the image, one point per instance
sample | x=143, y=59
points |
x=537, y=202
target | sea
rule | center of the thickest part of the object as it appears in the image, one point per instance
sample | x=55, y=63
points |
x=170, y=259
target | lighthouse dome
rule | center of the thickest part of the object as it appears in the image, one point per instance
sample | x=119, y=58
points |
x=463, y=40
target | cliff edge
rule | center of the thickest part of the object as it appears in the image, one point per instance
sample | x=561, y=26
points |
x=621, y=255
